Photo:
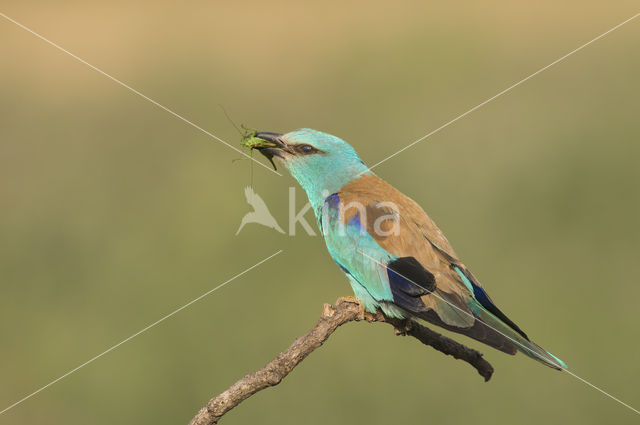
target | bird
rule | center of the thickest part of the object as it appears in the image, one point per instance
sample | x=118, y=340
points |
x=395, y=257
x=260, y=213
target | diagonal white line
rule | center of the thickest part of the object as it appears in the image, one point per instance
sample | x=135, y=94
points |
x=508, y=337
x=480, y=105
x=114, y=79
x=138, y=333
x=601, y=390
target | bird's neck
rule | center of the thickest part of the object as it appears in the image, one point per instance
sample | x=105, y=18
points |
x=318, y=189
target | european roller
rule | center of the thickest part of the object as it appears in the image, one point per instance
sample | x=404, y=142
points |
x=394, y=256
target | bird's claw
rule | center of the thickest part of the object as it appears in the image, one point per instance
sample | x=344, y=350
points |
x=403, y=328
x=353, y=300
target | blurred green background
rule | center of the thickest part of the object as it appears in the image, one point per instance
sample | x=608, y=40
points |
x=113, y=213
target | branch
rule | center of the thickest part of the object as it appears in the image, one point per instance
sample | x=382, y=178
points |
x=332, y=317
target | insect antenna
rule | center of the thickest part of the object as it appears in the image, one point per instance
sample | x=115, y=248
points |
x=224, y=111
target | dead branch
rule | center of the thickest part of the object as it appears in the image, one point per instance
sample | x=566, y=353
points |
x=331, y=318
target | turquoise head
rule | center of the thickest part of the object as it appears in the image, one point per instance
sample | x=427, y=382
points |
x=320, y=162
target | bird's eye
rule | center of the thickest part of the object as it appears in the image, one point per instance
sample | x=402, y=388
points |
x=306, y=148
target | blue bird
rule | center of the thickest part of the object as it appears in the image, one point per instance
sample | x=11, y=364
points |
x=394, y=256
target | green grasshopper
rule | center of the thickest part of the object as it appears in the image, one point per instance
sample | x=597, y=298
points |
x=249, y=140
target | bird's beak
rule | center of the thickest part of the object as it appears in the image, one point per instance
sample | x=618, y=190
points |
x=281, y=150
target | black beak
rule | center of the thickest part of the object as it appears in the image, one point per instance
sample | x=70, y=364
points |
x=275, y=138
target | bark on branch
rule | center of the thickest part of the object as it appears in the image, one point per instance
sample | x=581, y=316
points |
x=332, y=317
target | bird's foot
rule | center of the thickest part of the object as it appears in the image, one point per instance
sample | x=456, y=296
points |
x=348, y=299
x=353, y=300
x=403, y=327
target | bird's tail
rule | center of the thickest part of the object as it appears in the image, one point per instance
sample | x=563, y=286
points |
x=485, y=326
x=519, y=341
